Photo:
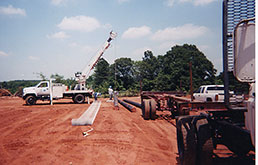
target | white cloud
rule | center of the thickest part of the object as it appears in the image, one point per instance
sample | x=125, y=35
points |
x=3, y=54
x=187, y=31
x=58, y=35
x=33, y=58
x=136, y=32
x=169, y=3
x=10, y=10
x=80, y=23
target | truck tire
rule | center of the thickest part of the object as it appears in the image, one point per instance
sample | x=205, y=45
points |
x=30, y=100
x=79, y=99
x=208, y=100
x=152, y=109
x=146, y=109
x=204, y=140
x=186, y=140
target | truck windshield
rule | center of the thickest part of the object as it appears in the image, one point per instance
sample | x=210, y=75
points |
x=198, y=90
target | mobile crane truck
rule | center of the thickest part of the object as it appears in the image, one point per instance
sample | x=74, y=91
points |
x=234, y=127
x=47, y=90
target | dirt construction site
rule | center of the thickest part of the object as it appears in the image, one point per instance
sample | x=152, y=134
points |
x=43, y=134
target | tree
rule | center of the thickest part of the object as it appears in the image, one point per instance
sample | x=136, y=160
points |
x=174, y=71
x=101, y=72
x=123, y=73
x=147, y=70
x=58, y=78
x=42, y=76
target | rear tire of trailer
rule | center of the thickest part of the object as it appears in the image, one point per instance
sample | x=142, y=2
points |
x=152, y=109
x=186, y=140
x=204, y=141
x=146, y=109
x=79, y=99
x=30, y=100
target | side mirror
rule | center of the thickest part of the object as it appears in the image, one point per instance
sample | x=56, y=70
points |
x=244, y=51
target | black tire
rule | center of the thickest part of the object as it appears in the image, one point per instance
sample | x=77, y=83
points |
x=186, y=140
x=79, y=99
x=31, y=100
x=152, y=109
x=204, y=141
x=209, y=100
x=146, y=109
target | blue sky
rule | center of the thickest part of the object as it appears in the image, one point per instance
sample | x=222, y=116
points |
x=60, y=36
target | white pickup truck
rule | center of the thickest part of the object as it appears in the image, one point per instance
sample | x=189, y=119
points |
x=211, y=93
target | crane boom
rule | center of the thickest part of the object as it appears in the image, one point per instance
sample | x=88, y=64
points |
x=82, y=76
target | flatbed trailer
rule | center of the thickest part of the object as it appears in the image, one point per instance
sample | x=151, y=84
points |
x=175, y=102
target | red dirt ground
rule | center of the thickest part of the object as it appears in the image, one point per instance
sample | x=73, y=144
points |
x=43, y=134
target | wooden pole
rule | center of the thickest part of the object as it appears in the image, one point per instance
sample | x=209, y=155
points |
x=191, y=80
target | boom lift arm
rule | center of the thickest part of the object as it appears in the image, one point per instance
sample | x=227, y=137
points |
x=81, y=77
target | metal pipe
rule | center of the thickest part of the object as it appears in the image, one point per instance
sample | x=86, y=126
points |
x=127, y=106
x=225, y=52
x=133, y=103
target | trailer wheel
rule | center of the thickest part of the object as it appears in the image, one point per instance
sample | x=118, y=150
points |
x=146, y=109
x=186, y=140
x=204, y=141
x=79, y=99
x=30, y=100
x=152, y=109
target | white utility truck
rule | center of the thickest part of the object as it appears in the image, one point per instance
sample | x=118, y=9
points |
x=47, y=90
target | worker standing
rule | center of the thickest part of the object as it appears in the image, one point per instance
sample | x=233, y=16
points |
x=110, y=92
x=95, y=96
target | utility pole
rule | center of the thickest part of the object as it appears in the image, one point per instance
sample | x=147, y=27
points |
x=191, y=80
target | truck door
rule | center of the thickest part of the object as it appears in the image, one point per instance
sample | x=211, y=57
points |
x=197, y=94
x=43, y=89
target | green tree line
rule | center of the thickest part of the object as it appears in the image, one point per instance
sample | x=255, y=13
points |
x=168, y=72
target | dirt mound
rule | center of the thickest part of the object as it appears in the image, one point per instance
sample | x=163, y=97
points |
x=5, y=92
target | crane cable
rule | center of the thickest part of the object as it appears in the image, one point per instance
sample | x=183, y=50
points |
x=115, y=53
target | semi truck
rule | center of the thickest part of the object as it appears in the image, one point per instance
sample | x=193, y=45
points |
x=213, y=123
x=47, y=90
x=234, y=127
